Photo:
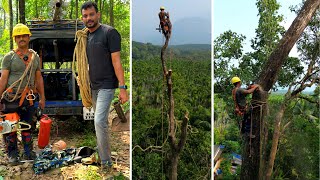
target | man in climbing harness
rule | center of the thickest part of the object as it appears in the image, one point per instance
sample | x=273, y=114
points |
x=20, y=80
x=241, y=108
x=165, y=22
x=105, y=74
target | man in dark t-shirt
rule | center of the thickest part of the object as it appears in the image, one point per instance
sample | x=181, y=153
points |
x=239, y=96
x=106, y=74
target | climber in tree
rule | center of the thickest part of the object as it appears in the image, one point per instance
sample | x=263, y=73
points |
x=241, y=107
x=165, y=23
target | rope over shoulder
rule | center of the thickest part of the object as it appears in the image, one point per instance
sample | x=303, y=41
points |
x=80, y=55
x=5, y=95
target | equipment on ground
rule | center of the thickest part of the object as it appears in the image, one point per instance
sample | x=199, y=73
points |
x=121, y=122
x=44, y=131
x=10, y=123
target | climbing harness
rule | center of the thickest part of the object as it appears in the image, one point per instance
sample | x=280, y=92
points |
x=239, y=111
x=27, y=92
x=80, y=55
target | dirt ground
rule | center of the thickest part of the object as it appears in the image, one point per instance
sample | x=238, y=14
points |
x=71, y=131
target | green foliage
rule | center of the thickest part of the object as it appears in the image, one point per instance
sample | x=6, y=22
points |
x=227, y=47
x=192, y=93
x=119, y=177
x=3, y=172
x=298, y=154
x=148, y=51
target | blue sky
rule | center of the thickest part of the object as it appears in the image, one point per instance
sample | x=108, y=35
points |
x=145, y=14
x=241, y=16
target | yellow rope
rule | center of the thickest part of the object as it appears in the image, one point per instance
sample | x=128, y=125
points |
x=19, y=82
x=80, y=56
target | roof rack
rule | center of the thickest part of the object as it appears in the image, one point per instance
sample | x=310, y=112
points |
x=50, y=24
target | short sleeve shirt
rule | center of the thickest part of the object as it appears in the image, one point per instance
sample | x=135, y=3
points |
x=241, y=98
x=16, y=67
x=100, y=44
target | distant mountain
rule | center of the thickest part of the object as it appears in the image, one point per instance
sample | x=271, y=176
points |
x=191, y=31
x=194, y=30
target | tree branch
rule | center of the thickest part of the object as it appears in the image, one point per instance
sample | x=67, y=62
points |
x=183, y=137
x=308, y=99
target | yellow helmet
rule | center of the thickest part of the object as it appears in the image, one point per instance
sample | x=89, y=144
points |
x=235, y=80
x=161, y=8
x=20, y=29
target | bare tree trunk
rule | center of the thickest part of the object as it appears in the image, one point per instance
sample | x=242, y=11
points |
x=17, y=11
x=71, y=10
x=275, y=139
x=100, y=7
x=102, y=10
x=174, y=166
x=11, y=23
x=36, y=8
x=269, y=74
x=22, y=10
x=4, y=19
x=111, y=13
x=77, y=7
x=176, y=147
x=252, y=150
x=267, y=78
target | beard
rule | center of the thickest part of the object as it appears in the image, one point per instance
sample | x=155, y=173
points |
x=91, y=24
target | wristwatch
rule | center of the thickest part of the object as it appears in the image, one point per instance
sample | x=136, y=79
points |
x=123, y=87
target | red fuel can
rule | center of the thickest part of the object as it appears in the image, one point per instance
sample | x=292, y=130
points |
x=44, y=131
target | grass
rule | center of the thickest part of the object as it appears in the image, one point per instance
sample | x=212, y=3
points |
x=89, y=139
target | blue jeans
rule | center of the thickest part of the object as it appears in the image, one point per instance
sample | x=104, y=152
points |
x=101, y=100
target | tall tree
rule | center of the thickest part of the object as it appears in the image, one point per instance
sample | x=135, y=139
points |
x=309, y=47
x=111, y=4
x=11, y=23
x=22, y=10
x=267, y=78
x=17, y=11
x=36, y=8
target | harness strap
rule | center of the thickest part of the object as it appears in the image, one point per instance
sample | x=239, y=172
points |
x=23, y=95
x=239, y=111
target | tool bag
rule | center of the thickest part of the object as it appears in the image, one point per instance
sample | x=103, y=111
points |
x=11, y=107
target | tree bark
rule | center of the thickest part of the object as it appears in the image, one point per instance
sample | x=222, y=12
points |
x=17, y=11
x=275, y=139
x=71, y=10
x=111, y=13
x=174, y=166
x=11, y=23
x=36, y=8
x=250, y=164
x=22, y=10
x=176, y=147
x=269, y=74
x=4, y=19
x=77, y=7
x=252, y=150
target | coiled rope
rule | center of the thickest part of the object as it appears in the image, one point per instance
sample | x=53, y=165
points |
x=6, y=94
x=80, y=55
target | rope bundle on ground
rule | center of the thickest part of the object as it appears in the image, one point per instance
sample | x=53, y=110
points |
x=82, y=66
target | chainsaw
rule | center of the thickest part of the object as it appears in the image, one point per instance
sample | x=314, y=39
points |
x=10, y=123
